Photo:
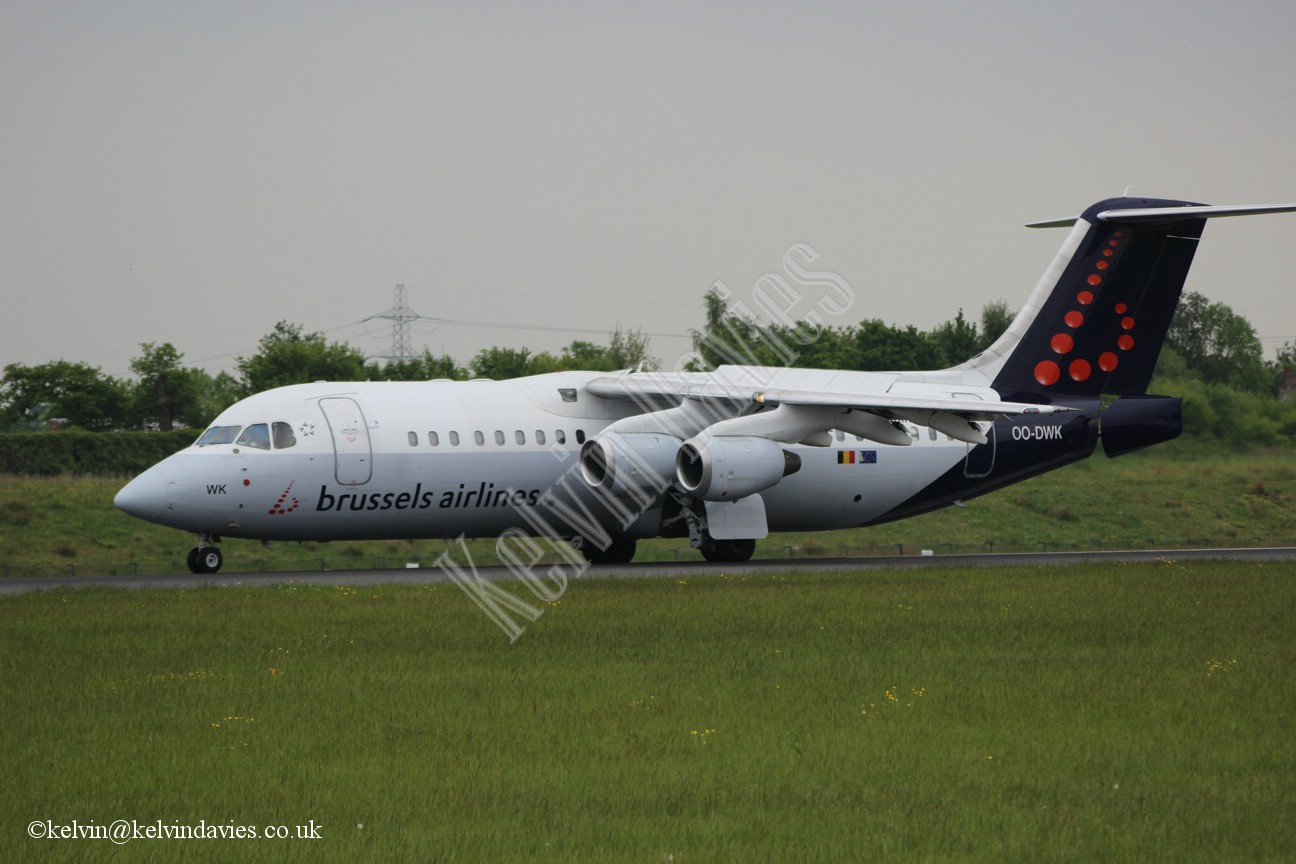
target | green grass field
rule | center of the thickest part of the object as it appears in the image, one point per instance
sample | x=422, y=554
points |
x=1117, y=713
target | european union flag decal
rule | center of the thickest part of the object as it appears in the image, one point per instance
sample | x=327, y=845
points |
x=856, y=457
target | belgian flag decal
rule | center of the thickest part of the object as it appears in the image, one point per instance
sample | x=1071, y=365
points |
x=856, y=457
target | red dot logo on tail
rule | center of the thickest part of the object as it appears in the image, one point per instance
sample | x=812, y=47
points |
x=1079, y=369
x=1047, y=373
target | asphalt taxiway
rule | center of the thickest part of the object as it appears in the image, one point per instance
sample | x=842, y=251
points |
x=435, y=575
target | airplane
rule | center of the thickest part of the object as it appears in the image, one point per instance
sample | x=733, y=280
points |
x=725, y=457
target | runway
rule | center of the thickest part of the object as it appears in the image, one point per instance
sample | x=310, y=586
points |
x=431, y=576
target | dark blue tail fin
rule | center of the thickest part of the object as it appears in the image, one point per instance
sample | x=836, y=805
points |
x=1097, y=320
x=1101, y=328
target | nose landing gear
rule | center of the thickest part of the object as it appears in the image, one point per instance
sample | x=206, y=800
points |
x=204, y=558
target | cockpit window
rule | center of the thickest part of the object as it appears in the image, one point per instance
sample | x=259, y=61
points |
x=283, y=436
x=218, y=435
x=256, y=436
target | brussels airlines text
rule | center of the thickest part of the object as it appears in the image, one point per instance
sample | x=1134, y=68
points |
x=462, y=498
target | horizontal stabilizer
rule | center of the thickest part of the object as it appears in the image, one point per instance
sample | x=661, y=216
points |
x=1203, y=211
x=1147, y=215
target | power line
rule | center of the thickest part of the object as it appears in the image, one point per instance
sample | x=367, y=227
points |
x=539, y=327
x=400, y=314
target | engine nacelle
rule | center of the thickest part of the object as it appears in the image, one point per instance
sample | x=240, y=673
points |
x=638, y=465
x=728, y=468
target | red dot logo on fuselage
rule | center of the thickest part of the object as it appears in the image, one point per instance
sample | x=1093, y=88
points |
x=279, y=509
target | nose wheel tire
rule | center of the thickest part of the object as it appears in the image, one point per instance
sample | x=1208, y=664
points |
x=204, y=559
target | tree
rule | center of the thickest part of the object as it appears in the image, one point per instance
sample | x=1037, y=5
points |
x=583, y=355
x=166, y=391
x=732, y=338
x=215, y=394
x=886, y=348
x=501, y=363
x=818, y=347
x=81, y=395
x=957, y=340
x=288, y=356
x=424, y=368
x=1218, y=345
x=628, y=349
x=996, y=317
x=869, y=346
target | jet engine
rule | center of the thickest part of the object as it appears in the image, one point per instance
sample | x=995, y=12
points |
x=728, y=468
x=640, y=465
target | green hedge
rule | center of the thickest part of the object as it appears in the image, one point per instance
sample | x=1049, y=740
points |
x=105, y=453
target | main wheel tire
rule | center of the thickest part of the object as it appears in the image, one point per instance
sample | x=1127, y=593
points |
x=621, y=551
x=728, y=551
x=740, y=550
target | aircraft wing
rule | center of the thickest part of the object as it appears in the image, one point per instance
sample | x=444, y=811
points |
x=801, y=404
x=969, y=409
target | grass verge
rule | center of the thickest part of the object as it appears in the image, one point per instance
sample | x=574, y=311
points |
x=1137, y=712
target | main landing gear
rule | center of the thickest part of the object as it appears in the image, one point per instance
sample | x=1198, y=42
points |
x=689, y=514
x=205, y=558
x=726, y=551
x=620, y=551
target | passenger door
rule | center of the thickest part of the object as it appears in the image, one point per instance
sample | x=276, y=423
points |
x=352, y=450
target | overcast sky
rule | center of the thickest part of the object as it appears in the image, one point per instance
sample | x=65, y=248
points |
x=195, y=172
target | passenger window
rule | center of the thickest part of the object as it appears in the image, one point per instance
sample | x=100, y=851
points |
x=218, y=435
x=540, y=436
x=913, y=432
x=931, y=433
x=499, y=437
x=413, y=438
x=519, y=436
x=580, y=436
x=283, y=436
x=256, y=436
x=454, y=439
x=560, y=436
x=433, y=439
x=479, y=438
x=841, y=436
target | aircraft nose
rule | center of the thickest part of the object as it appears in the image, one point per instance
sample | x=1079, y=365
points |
x=145, y=497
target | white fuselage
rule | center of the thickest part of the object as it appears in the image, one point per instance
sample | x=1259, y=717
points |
x=442, y=458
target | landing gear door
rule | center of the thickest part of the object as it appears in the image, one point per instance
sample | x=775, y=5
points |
x=351, y=446
x=743, y=519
